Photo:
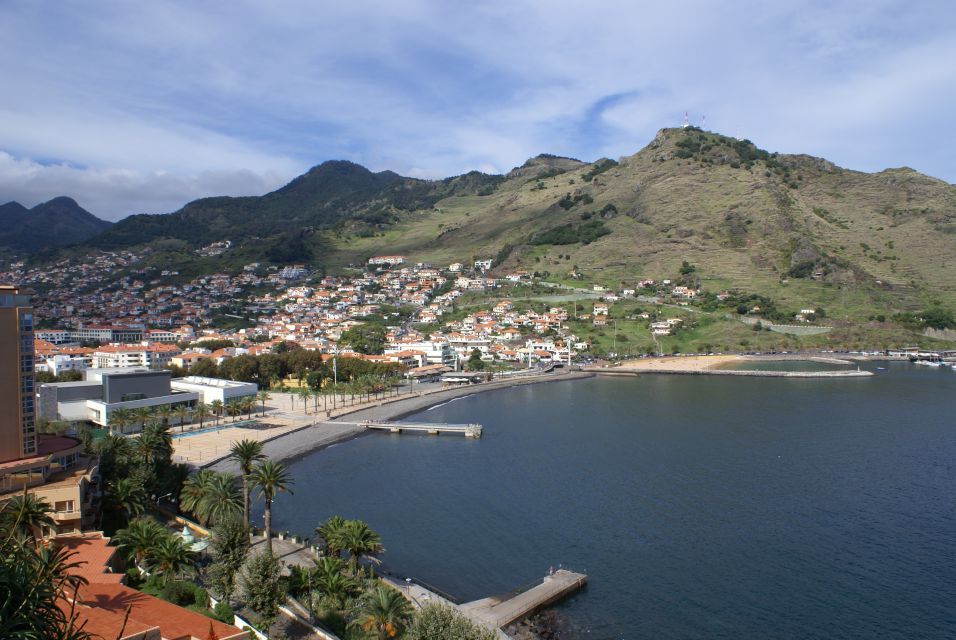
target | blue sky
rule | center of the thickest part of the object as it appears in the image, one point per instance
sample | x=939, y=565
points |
x=141, y=107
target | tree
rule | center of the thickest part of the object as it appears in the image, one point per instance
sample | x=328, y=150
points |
x=331, y=532
x=271, y=477
x=181, y=412
x=138, y=540
x=234, y=409
x=195, y=490
x=383, y=612
x=201, y=411
x=360, y=541
x=222, y=499
x=229, y=548
x=441, y=621
x=248, y=404
x=26, y=514
x=246, y=453
x=263, y=397
x=172, y=558
x=262, y=589
x=164, y=411
x=35, y=582
x=331, y=582
x=687, y=268
x=216, y=406
x=365, y=338
x=120, y=419
x=304, y=394
x=475, y=363
x=155, y=445
x=128, y=496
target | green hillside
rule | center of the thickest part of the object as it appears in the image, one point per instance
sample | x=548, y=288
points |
x=794, y=228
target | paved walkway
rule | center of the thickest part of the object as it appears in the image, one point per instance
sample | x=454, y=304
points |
x=298, y=441
x=496, y=613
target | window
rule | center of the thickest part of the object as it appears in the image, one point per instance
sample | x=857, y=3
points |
x=63, y=506
x=26, y=322
x=127, y=397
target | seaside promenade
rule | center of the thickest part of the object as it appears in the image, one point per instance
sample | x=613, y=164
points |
x=288, y=433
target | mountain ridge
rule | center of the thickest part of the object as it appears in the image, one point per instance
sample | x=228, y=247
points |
x=792, y=225
x=54, y=223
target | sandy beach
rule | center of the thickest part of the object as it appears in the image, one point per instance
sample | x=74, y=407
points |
x=678, y=363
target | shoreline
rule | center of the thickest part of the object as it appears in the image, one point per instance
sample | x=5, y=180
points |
x=292, y=445
x=721, y=365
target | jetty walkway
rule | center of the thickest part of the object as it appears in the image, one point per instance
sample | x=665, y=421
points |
x=434, y=429
x=623, y=371
x=497, y=612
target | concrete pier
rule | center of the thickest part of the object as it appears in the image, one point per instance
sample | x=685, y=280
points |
x=495, y=613
x=734, y=372
x=434, y=429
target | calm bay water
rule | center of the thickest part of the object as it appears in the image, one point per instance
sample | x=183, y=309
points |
x=700, y=507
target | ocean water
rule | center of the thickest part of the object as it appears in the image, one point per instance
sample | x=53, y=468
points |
x=699, y=507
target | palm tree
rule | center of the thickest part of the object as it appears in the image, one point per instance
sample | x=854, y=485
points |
x=271, y=477
x=164, y=411
x=263, y=396
x=139, y=539
x=222, y=499
x=26, y=514
x=332, y=583
x=304, y=393
x=233, y=409
x=129, y=497
x=248, y=404
x=181, y=412
x=360, y=541
x=120, y=418
x=154, y=443
x=202, y=412
x=246, y=453
x=194, y=491
x=37, y=581
x=171, y=557
x=331, y=532
x=384, y=612
x=142, y=416
x=216, y=406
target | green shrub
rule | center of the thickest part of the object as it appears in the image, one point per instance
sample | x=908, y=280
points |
x=223, y=613
x=570, y=234
x=203, y=611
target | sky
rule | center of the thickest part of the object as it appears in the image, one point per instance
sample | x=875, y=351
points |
x=140, y=107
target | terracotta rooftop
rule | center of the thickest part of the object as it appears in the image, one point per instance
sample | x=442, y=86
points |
x=106, y=624
x=93, y=556
x=175, y=623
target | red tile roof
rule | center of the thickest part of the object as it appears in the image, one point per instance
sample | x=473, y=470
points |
x=175, y=623
x=93, y=556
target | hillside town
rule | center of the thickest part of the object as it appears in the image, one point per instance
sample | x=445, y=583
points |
x=88, y=320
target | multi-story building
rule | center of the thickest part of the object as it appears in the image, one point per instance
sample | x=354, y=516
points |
x=52, y=467
x=17, y=430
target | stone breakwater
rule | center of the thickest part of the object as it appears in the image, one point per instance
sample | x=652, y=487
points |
x=736, y=372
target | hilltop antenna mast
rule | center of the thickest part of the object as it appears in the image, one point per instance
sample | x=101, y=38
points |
x=703, y=122
x=686, y=121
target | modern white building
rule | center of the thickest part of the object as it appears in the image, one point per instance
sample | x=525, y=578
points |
x=211, y=389
x=103, y=391
x=436, y=352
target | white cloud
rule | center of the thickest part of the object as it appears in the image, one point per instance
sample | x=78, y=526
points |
x=173, y=93
x=114, y=193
